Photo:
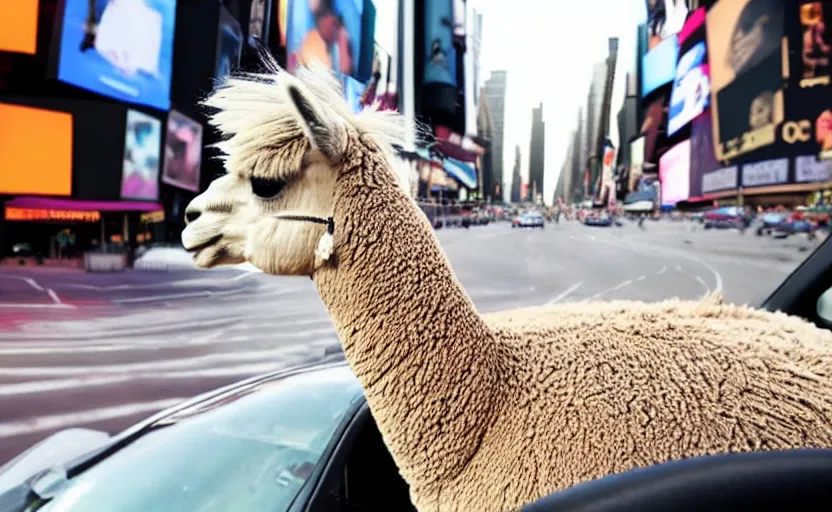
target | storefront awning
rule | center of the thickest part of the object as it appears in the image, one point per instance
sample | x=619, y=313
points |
x=463, y=172
x=45, y=203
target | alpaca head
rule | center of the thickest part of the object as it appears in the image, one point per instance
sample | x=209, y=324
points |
x=286, y=141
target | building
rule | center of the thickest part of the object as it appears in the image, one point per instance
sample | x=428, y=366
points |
x=516, y=178
x=590, y=149
x=495, y=96
x=485, y=133
x=537, y=153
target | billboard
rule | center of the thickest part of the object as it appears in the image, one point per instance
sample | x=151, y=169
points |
x=126, y=53
x=35, y=151
x=659, y=66
x=702, y=158
x=744, y=39
x=20, y=26
x=229, y=44
x=439, y=52
x=765, y=173
x=674, y=170
x=183, y=152
x=691, y=90
x=142, y=148
x=720, y=180
x=328, y=31
x=811, y=67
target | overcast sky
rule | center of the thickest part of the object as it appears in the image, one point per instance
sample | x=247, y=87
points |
x=548, y=48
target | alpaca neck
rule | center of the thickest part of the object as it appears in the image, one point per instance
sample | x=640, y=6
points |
x=410, y=332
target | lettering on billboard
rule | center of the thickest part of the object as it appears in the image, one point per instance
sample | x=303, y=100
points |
x=796, y=131
x=767, y=172
x=721, y=179
x=808, y=169
x=44, y=215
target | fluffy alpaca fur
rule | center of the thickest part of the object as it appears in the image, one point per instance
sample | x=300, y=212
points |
x=487, y=413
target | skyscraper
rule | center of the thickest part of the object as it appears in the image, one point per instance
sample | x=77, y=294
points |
x=495, y=96
x=537, y=153
x=516, y=179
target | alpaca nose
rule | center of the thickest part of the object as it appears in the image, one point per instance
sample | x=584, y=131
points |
x=191, y=215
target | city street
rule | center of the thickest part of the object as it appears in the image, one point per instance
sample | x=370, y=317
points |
x=105, y=350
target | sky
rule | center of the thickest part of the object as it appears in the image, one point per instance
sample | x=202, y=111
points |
x=549, y=48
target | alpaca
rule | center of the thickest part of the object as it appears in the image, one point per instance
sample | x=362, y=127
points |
x=486, y=413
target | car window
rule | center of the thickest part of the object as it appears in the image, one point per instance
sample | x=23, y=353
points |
x=251, y=454
x=824, y=307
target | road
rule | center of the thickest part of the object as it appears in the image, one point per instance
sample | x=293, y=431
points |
x=103, y=351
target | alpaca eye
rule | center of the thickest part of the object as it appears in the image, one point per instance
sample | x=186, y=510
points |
x=265, y=188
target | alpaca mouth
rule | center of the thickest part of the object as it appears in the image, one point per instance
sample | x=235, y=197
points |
x=208, y=243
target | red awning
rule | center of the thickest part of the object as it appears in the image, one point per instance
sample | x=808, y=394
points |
x=46, y=203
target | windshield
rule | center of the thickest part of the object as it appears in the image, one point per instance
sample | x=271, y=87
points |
x=253, y=453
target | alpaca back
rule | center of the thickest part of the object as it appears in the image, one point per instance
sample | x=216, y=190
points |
x=601, y=388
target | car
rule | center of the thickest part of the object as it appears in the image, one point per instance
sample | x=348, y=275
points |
x=529, y=220
x=596, y=219
x=303, y=439
x=726, y=217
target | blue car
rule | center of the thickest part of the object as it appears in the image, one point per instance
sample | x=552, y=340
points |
x=529, y=220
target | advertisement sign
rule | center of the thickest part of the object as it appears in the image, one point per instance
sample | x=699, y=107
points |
x=702, y=157
x=808, y=169
x=636, y=161
x=326, y=31
x=659, y=66
x=691, y=89
x=766, y=172
x=20, y=33
x=674, y=168
x=439, y=51
x=183, y=152
x=808, y=124
x=695, y=22
x=653, y=119
x=811, y=65
x=142, y=148
x=744, y=46
x=664, y=19
x=35, y=151
x=353, y=92
x=229, y=44
x=719, y=180
x=257, y=17
x=126, y=54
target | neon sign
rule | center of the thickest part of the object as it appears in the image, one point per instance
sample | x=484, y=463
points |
x=44, y=215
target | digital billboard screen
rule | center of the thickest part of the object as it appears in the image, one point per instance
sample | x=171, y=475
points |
x=183, y=152
x=744, y=39
x=659, y=66
x=329, y=32
x=142, y=148
x=691, y=90
x=674, y=169
x=35, y=151
x=126, y=53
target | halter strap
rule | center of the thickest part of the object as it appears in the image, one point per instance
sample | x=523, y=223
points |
x=328, y=221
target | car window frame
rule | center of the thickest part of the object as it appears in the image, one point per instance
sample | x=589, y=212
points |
x=312, y=497
x=799, y=293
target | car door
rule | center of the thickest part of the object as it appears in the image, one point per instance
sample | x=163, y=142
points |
x=807, y=292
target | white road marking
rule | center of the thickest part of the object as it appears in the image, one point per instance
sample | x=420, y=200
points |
x=36, y=306
x=680, y=254
x=662, y=270
x=617, y=287
x=61, y=421
x=641, y=278
x=565, y=293
x=34, y=284
x=54, y=297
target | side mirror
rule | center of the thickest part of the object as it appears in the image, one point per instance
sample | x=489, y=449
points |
x=824, y=307
x=54, y=451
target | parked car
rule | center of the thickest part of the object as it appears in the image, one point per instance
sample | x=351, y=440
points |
x=726, y=217
x=303, y=439
x=529, y=220
x=598, y=219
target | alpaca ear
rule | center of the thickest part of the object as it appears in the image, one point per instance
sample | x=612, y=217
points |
x=324, y=134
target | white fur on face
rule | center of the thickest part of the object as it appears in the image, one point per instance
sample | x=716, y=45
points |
x=245, y=226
